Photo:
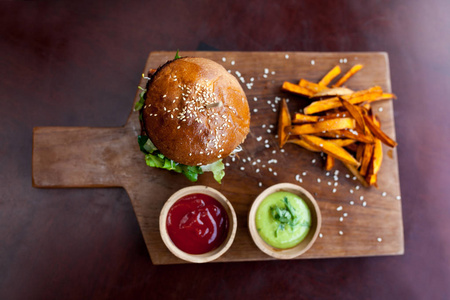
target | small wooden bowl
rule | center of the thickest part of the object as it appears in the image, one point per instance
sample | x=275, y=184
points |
x=308, y=241
x=205, y=257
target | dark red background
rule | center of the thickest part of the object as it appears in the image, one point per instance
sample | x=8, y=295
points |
x=78, y=64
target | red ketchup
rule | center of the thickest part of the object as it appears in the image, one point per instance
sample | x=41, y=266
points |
x=197, y=223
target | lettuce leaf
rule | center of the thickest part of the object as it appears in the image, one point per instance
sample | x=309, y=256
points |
x=155, y=159
x=218, y=169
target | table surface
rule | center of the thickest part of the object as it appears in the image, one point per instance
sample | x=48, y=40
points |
x=75, y=64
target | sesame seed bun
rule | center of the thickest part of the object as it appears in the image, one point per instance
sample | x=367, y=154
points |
x=195, y=112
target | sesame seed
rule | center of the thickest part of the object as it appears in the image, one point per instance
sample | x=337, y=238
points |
x=329, y=183
x=361, y=198
x=380, y=109
x=364, y=203
x=227, y=164
x=351, y=191
x=357, y=187
x=345, y=214
x=286, y=56
x=255, y=99
x=340, y=232
x=260, y=183
x=318, y=180
x=282, y=150
x=339, y=208
x=398, y=198
x=351, y=202
x=224, y=59
x=257, y=171
x=320, y=235
x=384, y=194
x=336, y=184
x=341, y=219
x=233, y=62
x=266, y=71
x=270, y=169
x=275, y=174
x=269, y=131
x=312, y=62
x=334, y=190
x=379, y=240
x=267, y=145
x=255, y=110
x=313, y=161
x=304, y=174
x=242, y=168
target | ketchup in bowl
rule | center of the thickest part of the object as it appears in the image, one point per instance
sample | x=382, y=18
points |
x=197, y=223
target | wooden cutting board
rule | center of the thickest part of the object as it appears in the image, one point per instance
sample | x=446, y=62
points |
x=357, y=221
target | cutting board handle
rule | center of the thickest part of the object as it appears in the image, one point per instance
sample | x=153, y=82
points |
x=80, y=156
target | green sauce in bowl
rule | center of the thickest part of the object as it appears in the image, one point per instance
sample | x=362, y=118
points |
x=283, y=220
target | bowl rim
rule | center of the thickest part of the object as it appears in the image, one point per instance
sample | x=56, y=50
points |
x=213, y=254
x=306, y=243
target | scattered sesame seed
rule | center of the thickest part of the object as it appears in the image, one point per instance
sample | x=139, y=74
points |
x=274, y=151
x=255, y=99
x=379, y=240
x=260, y=183
x=351, y=191
x=364, y=204
x=227, y=164
x=267, y=145
x=265, y=75
x=361, y=198
x=282, y=150
x=329, y=183
x=354, y=178
x=275, y=174
x=233, y=62
x=258, y=160
x=252, y=79
x=347, y=175
x=320, y=235
x=380, y=109
x=339, y=208
x=313, y=161
x=345, y=214
x=351, y=202
x=242, y=168
x=334, y=190
x=270, y=169
x=257, y=171
x=273, y=72
x=178, y=127
x=318, y=180
x=266, y=71
x=286, y=56
x=269, y=131
x=340, y=232
x=266, y=141
x=357, y=187
x=336, y=183
x=384, y=194
x=255, y=110
x=304, y=173
x=224, y=59
x=312, y=62
x=259, y=138
x=341, y=219
x=398, y=198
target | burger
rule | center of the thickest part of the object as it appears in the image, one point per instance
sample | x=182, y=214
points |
x=193, y=114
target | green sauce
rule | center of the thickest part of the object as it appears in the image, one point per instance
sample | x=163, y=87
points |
x=283, y=220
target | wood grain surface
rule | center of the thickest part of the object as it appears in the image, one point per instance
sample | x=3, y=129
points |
x=357, y=221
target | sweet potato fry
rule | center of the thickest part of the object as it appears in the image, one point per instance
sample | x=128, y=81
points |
x=327, y=125
x=337, y=91
x=284, y=120
x=349, y=74
x=360, y=152
x=366, y=158
x=372, y=94
x=330, y=149
x=355, y=113
x=301, y=118
x=330, y=76
x=355, y=135
x=377, y=132
x=371, y=179
x=377, y=158
x=296, y=89
x=355, y=173
x=329, y=162
x=304, y=144
x=343, y=142
x=314, y=87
